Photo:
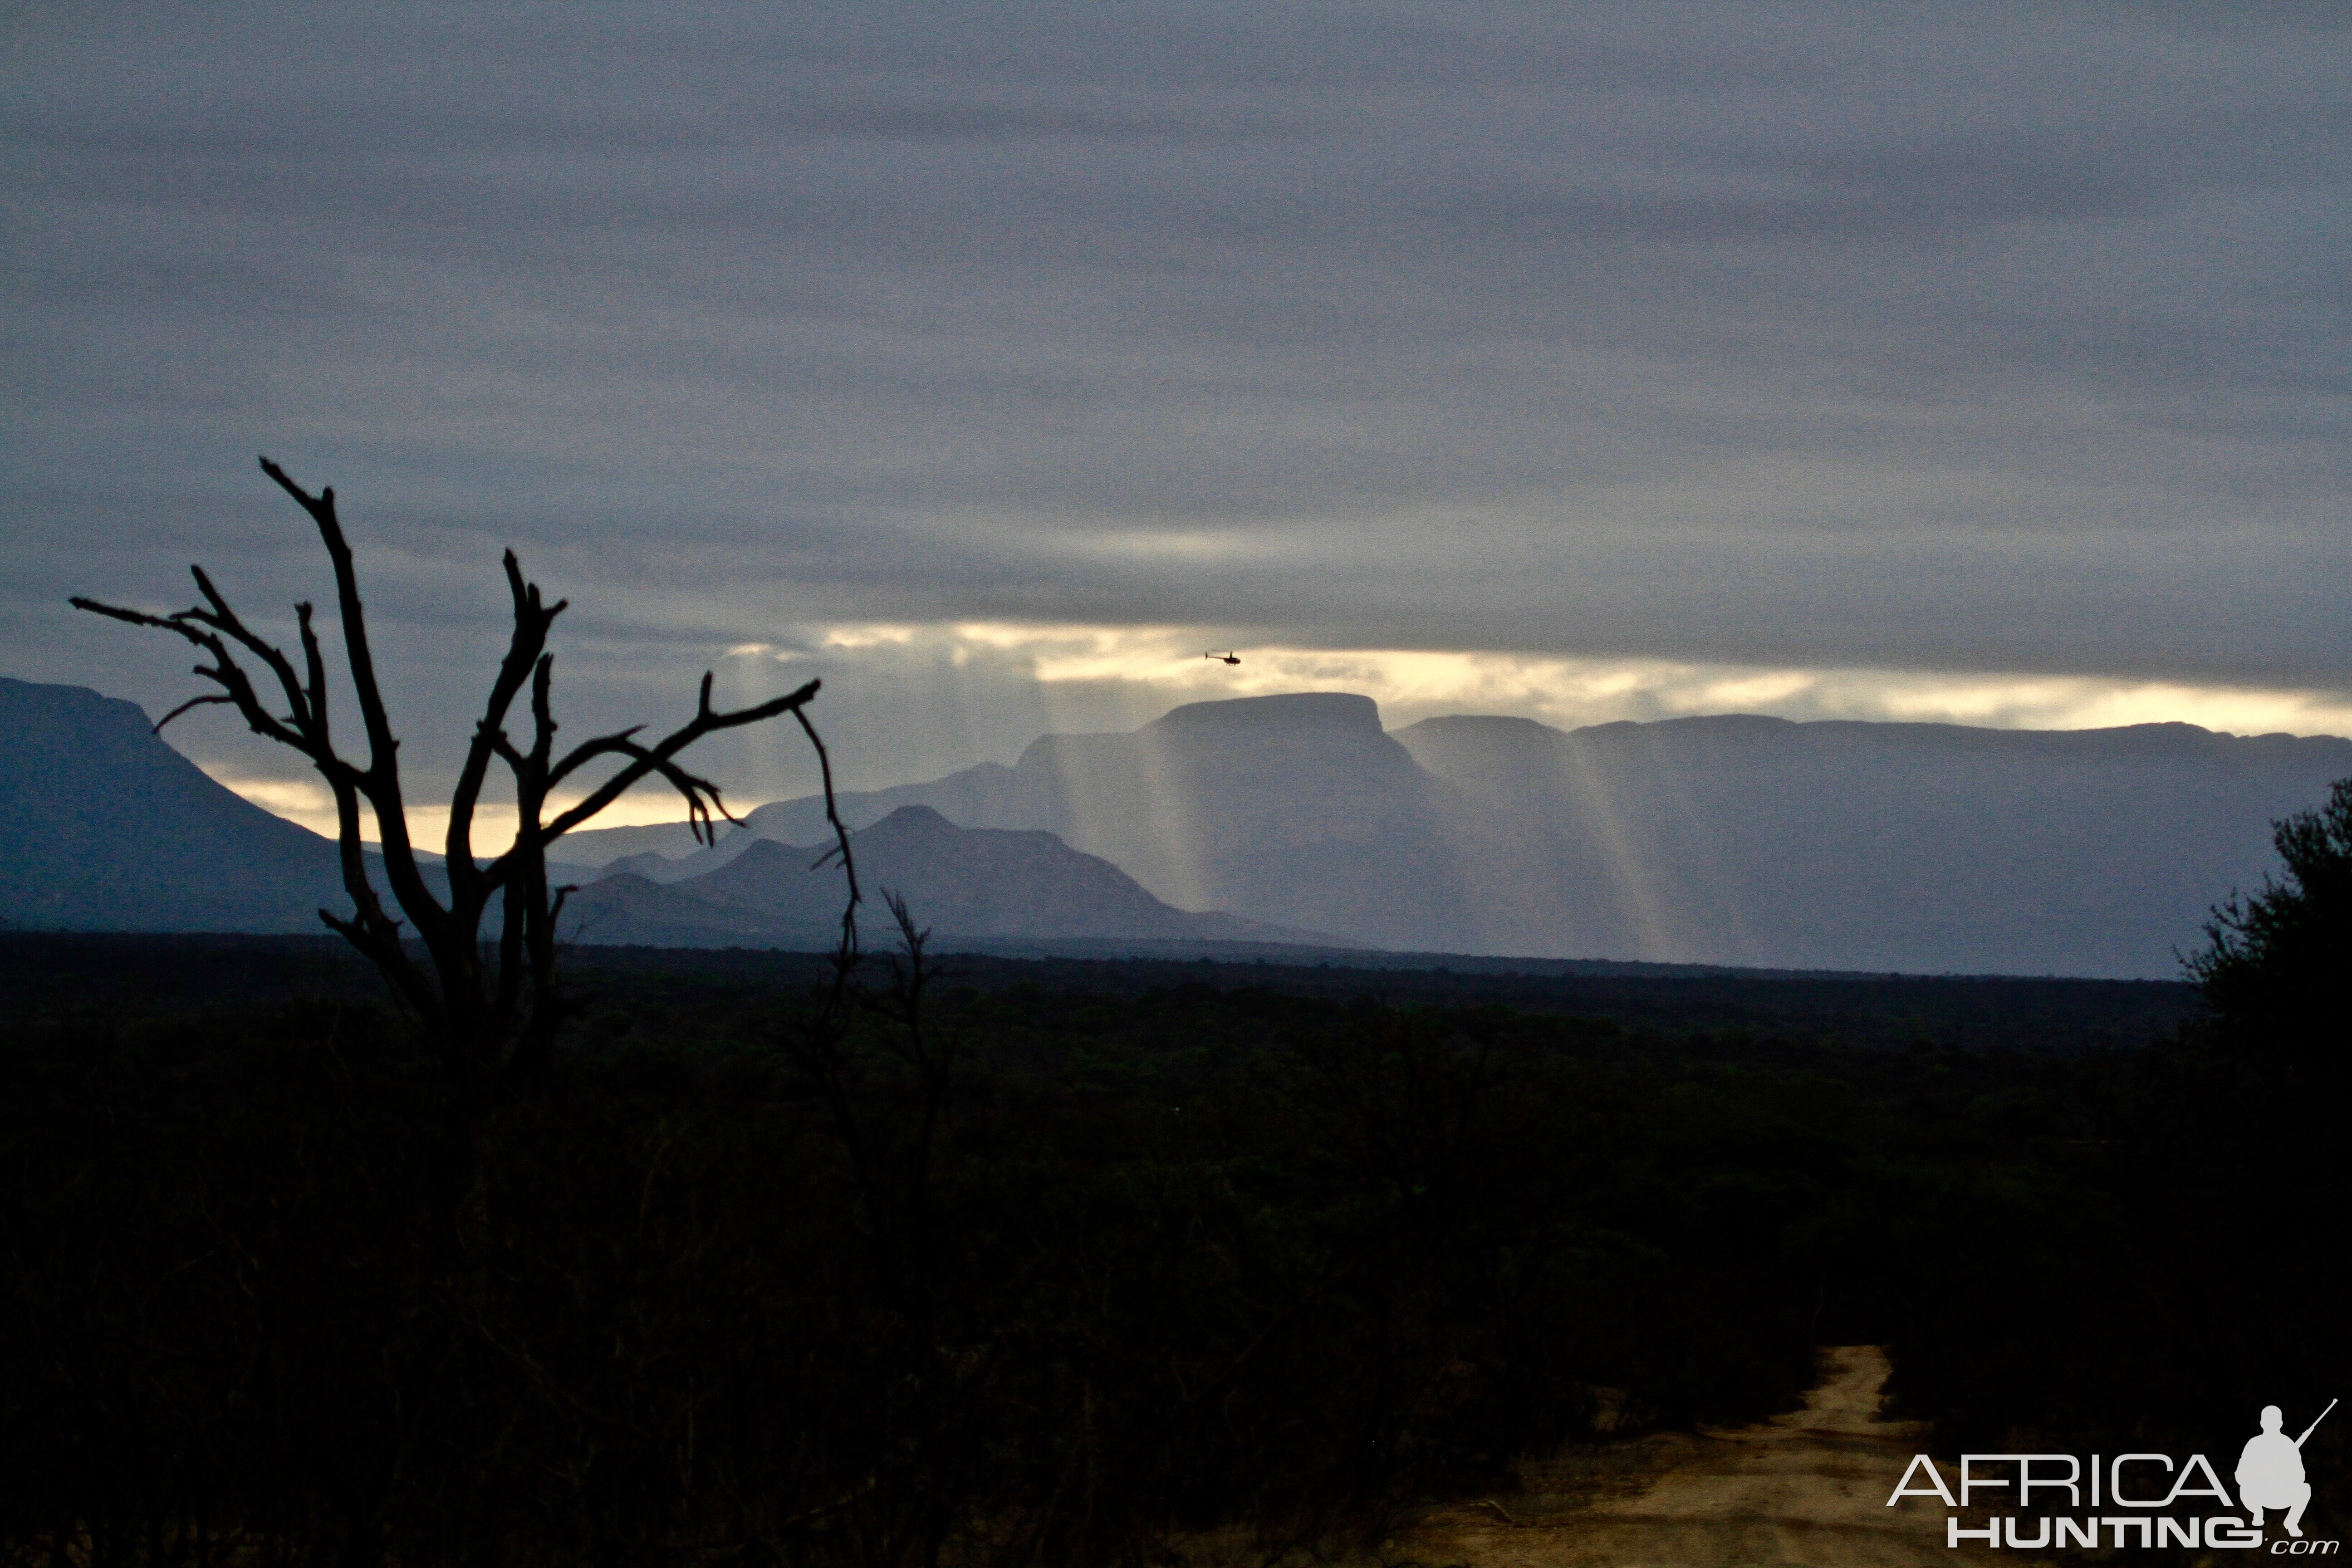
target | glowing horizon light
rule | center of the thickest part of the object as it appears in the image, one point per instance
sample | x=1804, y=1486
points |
x=1080, y=677
x=308, y=804
x=1571, y=692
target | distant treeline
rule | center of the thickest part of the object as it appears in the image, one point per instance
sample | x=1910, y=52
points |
x=1163, y=1257
x=118, y=975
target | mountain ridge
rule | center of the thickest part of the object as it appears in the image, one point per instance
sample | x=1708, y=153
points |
x=1741, y=839
x=78, y=766
x=964, y=884
x=1738, y=840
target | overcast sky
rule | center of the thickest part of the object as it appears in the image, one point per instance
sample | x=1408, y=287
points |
x=1902, y=361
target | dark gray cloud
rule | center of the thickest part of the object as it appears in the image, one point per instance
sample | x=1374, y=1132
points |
x=1966, y=337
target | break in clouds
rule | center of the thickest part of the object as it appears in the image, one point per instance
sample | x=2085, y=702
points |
x=1985, y=363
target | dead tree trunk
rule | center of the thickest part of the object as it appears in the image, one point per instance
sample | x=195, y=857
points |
x=491, y=1007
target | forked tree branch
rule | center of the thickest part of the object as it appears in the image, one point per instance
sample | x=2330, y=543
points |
x=532, y=620
x=380, y=778
x=302, y=729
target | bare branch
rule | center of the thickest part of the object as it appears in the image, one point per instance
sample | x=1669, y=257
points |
x=224, y=672
x=218, y=697
x=647, y=759
x=847, y=954
x=589, y=750
x=702, y=796
x=381, y=776
x=224, y=619
x=314, y=665
x=138, y=619
x=524, y=647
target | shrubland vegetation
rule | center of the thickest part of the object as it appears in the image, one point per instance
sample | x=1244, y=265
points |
x=1144, y=1264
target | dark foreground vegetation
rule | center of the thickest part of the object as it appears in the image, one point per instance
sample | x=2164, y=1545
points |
x=1094, y=1262
x=2162, y=1278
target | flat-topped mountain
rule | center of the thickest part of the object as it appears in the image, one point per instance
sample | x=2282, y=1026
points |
x=1883, y=846
x=1734, y=839
x=1297, y=809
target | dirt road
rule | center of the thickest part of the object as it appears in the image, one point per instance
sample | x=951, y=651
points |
x=1808, y=1490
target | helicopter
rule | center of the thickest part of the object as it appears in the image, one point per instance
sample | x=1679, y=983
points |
x=1228, y=657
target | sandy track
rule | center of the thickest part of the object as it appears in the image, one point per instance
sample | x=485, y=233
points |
x=1808, y=1489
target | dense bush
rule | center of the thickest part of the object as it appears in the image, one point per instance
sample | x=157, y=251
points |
x=1191, y=1259
x=2162, y=1279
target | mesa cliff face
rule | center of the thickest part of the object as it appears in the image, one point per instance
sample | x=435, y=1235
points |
x=1295, y=809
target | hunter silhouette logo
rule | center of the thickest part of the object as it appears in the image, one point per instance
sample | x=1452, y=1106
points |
x=2269, y=1472
x=2270, y=1477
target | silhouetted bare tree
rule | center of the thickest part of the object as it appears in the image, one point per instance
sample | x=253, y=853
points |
x=492, y=1005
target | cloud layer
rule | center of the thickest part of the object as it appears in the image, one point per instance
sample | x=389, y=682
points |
x=1983, y=342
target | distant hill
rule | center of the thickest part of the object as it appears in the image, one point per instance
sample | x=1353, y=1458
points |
x=594, y=847
x=1727, y=841
x=104, y=827
x=1297, y=811
x=1754, y=840
x=965, y=884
